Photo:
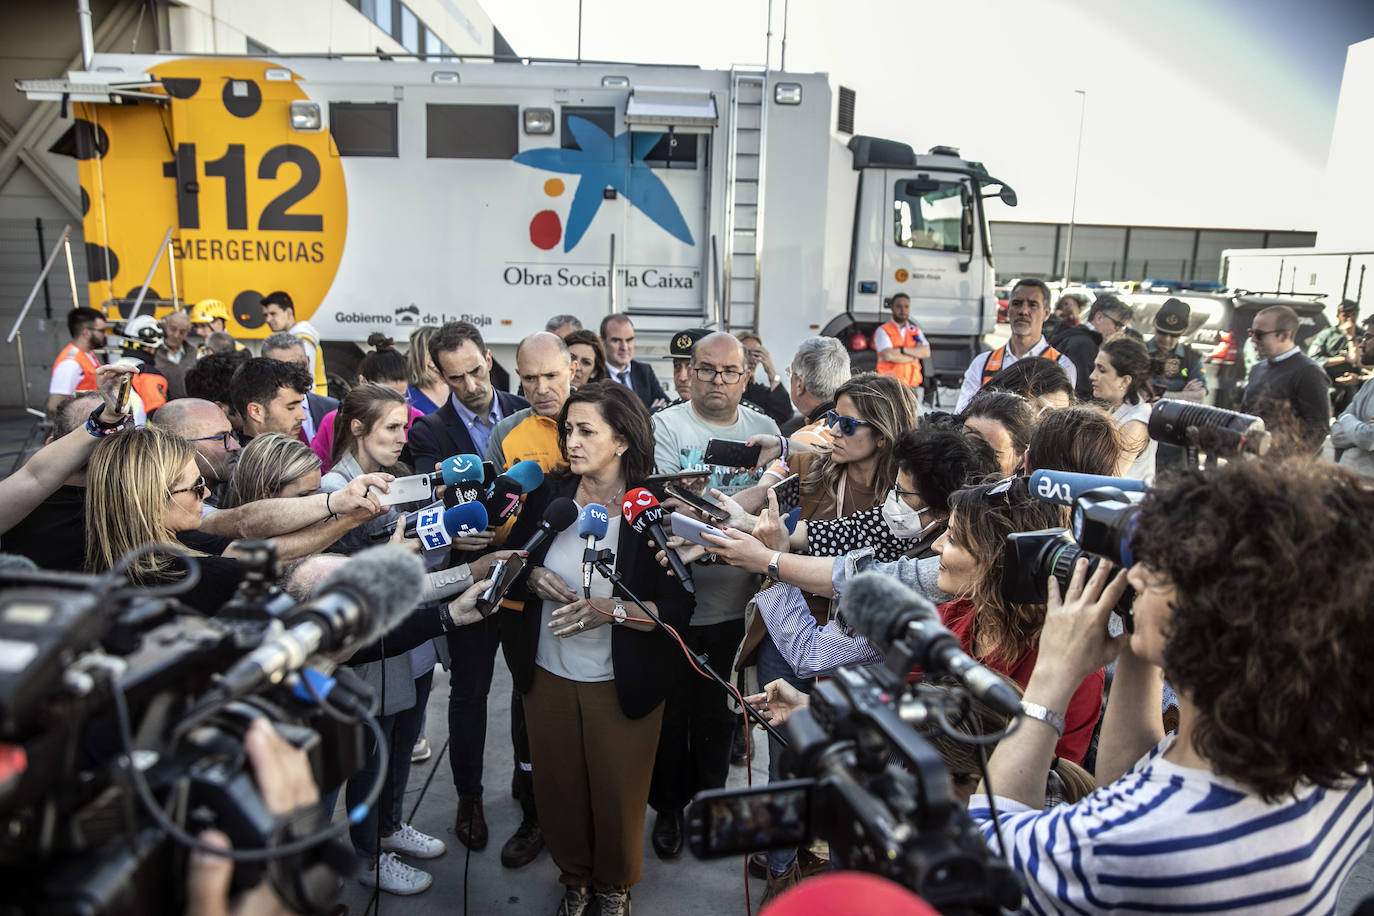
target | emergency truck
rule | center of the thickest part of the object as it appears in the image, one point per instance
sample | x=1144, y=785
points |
x=391, y=194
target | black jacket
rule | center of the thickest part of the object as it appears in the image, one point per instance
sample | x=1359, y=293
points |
x=1080, y=343
x=645, y=384
x=643, y=661
x=443, y=434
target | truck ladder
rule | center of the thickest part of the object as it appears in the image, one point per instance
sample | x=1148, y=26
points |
x=744, y=199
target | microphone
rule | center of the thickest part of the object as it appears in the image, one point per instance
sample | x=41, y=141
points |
x=1064, y=487
x=361, y=600
x=884, y=610
x=437, y=526
x=643, y=513
x=503, y=496
x=560, y=513
x=592, y=522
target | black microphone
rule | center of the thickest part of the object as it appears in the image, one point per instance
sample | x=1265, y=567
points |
x=503, y=496
x=362, y=599
x=558, y=516
x=643, y=513
x=884, y=610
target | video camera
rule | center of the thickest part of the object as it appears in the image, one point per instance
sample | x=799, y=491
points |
x=870, y=785
x=122, y=716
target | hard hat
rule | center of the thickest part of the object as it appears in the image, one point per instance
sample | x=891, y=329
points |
x=207, y=310
x=143, y=329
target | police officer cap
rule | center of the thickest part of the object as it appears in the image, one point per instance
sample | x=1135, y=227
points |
x=1172, y=317
x=680, y=347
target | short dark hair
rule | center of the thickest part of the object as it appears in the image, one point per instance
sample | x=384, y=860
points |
x=1271, y=564
x=80, y=318
x=281, y=299
x=614, y=316
x=1032, y=377
x=590, y=339
x=383, y=363
x=210, y=377
x=896, y=296
x=1011, y=410
x=1128, y=356
x=1081, y=439
x=1285, y=319
x=1113, y=307
x=628, y=418
x=943, y=461
x=259, y=379
x=451, y=336
x=1034, y=284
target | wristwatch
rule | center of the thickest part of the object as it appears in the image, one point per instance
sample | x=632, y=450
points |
x=1051, y=718
x=619, y=611
x=773, y=566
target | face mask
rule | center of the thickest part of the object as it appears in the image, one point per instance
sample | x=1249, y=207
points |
x=902, y=520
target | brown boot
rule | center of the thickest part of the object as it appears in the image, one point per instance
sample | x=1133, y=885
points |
x=471, y=824
x=780, y=884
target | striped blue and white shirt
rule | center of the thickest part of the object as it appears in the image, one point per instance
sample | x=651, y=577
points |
x=812, y=649
x=1171, y=839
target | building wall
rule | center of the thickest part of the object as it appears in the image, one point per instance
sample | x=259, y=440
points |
x=1348, y=191
x=1124, y=252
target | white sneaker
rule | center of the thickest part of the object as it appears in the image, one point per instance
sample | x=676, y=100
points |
x=410, y=842
x=421, y=752
x=394, y=876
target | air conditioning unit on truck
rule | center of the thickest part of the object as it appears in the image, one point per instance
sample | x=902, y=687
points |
x=386, y=195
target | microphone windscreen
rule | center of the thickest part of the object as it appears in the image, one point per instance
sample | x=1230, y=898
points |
x=464, y=519
x=526, y=473
x=460, y=469
x=561, y=513
x=635, y=502
x=593, y=521
x=875, y=604
x=388, y=580
x=850, y=893
x=1064, y=487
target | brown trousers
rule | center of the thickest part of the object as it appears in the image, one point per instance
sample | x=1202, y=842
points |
x=592, y=766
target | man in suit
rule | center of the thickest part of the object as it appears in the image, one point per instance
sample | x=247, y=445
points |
x=289, y=349
x=618, y=335
x=464, y=425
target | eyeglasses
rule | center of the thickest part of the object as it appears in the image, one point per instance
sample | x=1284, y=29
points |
x=848, y=425
x=224, y=439
x=728, y=376
x=1257, y=334
x=199, y=488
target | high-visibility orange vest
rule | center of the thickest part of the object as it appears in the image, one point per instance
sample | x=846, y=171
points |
x=908, y=374
x=995, y=358
x=86, y=361
x=151, y=387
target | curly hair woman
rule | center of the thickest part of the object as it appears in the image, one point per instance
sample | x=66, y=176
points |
x=1255, y=594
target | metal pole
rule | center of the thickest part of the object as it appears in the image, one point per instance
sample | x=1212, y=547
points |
x=172, y=272
x=23, y=371
x=33, y=293
x=767, y=51
x=579, y=31
x=782, y=62
x=83, y=12
x=47, y=298
x=1073, y=206
x=71, y=272
x=612, y=290
x=143, y=291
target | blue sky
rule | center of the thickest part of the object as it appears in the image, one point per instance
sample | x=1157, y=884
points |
x=1198, y=112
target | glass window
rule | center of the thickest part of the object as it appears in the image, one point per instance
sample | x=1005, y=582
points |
x=446, y=53
x=671, y=151
x=935, y=215
x=472, y=131
x=602, y=117
x=432, y=43
x=410, y=30
x=363, y=128
x=379, y=11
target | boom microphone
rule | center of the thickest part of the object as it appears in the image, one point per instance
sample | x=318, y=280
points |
x=884, y=610
x=362, y=599
x=1064, y=487
x=643, y=513
x=592, y=523
x=503, y=496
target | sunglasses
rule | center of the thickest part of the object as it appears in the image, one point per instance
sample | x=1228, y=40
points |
x=847, y=425
x=199, y=488
x=1002, y=492
x=1257, y=334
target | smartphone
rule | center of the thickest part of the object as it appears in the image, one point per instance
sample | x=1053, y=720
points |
x=125, y=383
x=728, y=822
x=731, y=453
x=700, y=503
x=688, y=528
x=502, y=574
x=413, y=489
x=661, y=479
x=788, y=492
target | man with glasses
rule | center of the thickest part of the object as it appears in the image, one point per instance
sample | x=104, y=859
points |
x=1287, y=389
x=1110, y=316
x=1026, y=314
x=1177, y=370
x=694, y=745
x=74, y=368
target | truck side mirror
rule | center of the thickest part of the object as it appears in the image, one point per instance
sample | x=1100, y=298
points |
x=1007, y=196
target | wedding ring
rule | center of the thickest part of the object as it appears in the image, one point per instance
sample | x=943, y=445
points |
x=582, y=624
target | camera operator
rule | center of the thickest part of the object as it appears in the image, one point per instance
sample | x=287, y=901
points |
x=1255, y=585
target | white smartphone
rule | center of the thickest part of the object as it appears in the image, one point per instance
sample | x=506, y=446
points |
x=690, y=529
x=413, y=489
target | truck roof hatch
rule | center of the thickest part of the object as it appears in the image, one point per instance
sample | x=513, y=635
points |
x=684, y=110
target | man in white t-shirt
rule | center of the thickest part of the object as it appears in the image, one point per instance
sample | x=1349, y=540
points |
x=280, y=314
x=1026, y=313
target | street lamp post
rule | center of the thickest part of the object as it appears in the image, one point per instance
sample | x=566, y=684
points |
x=1073, y=207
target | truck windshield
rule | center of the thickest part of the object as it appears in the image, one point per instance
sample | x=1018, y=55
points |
x=930, y=214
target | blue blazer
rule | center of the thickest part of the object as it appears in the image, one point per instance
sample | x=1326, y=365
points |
x=441, y=434
x=644, y=382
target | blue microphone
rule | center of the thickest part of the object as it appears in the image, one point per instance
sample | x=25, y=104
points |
x=459, y=469
x=592, y=522
x=438, y=528
x=1064, y=487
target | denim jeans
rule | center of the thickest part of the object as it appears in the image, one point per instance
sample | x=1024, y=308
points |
x=385, y=816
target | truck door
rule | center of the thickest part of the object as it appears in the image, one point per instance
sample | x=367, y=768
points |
x=665, y=235
x=929, y=250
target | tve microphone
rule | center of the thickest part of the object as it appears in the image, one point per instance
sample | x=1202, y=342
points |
x=560, y=513
x=362, y=599
x=592, y=523
x=503, y=496
x=884, y=610
x=437, y=526
x=1064, y=487
x=643, y=513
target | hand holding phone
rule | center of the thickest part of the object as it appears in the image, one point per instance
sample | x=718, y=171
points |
x=731, y=453
x=502, y=574
x=700, y=503
x=788, y=493
x=692, y=530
